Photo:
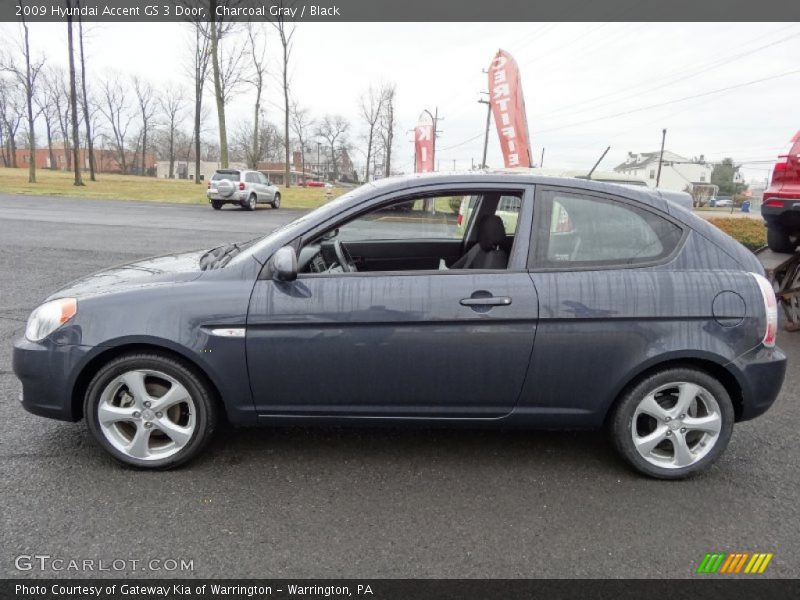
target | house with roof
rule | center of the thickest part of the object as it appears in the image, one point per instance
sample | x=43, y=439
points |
x=678, y=173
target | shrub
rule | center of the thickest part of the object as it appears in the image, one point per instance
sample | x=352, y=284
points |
x=751, y=233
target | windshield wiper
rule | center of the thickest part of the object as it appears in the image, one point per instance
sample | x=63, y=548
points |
x=218, y=257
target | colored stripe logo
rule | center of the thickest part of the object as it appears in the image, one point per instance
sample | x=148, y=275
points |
x=735, y=563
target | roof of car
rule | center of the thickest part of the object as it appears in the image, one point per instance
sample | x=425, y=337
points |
x=646, y=195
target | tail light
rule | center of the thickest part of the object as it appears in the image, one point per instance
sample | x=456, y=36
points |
x=774, y=203
x=787, y=168
x=780, y=169
x=770, y=308
x=241, y=186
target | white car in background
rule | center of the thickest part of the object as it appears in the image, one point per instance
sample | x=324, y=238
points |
x=244, y=188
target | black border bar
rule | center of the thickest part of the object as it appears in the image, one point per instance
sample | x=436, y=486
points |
x=406, y=10
x=710, y=586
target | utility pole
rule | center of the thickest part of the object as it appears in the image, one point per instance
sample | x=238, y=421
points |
x=661, y=156
x=488, y=124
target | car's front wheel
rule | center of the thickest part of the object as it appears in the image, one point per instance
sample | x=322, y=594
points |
x=779, y=241
x=276, y=201
x=673, y=423
x=150, y=411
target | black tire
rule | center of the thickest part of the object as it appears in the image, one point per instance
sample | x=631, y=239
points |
x=216, y=204
x=276, y=202
x=780, y=241
x=621, y=421
x=251, y=202
x=207, y=412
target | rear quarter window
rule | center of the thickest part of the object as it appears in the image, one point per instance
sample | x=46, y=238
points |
x=584, y=231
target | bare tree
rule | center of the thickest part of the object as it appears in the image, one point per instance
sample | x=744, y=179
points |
x=73, y=100
x=333, y=129
x=11, y=113
x=258, y=49
x=172, y=104
x=46, y=107
x=225, y=70
x=285, y=34
x=388, y=122
x=199, y=71
x=145, y=97
x=115, y=109
x=85, y=102
x=26, y=76
x=59, y=94
x=269, y=146
x=371, y=111
x=301, y=124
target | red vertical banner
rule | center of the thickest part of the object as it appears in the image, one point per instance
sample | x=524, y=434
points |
x=508, y=109
x=423, y=143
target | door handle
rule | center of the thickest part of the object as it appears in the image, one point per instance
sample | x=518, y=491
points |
x=490, y=301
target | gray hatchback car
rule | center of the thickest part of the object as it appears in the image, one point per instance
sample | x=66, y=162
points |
x=243, y=188
x=596, y=305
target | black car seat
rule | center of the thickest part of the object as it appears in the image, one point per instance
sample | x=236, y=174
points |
x=487, y=253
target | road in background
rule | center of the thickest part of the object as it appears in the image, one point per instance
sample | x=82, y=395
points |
x=330, y=502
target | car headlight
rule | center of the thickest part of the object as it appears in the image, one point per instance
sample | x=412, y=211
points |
x=49, y=317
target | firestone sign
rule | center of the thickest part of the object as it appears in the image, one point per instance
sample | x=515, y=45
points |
x=423, y=143
x=508, y=109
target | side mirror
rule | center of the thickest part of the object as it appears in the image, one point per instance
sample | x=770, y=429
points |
x=284, y=264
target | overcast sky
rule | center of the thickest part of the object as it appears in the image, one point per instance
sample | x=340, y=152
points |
x=587, y=85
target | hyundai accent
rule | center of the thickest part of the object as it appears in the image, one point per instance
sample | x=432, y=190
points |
x=495, y=299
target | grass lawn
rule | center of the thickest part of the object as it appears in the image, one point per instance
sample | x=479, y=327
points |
x=130, y=187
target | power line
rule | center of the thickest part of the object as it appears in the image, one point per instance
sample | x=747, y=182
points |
x=667, y=103
x=462, y=143
x=708, y=66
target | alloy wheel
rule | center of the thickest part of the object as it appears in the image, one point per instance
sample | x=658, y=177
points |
x=676, y=425
x=146, y=414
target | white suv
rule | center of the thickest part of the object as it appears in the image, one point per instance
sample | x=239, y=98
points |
x=245, y=188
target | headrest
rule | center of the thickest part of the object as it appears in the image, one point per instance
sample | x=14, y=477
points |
x=491, y=232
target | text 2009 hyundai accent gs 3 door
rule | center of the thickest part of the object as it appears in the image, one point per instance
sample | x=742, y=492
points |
x=496, y=299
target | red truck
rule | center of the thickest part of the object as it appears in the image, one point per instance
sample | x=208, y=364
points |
x=781, y=204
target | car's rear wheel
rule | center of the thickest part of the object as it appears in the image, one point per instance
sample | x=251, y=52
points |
x=250, y=203
x=216, y=204
x=780, y=241
x=673, y=424
x=150, y=411
x=276, y=202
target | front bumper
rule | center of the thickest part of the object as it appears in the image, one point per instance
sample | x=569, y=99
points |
x=47, y=372
x=760, y=374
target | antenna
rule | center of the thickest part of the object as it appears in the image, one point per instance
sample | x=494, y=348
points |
x=599, y=160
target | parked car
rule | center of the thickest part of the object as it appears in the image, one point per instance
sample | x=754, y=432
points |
x=244, y=188
x=604, y=306
x=780, y=206
x=722, y=203
x=315, y=183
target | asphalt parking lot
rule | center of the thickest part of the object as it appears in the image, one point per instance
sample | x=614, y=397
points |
x=332, y=502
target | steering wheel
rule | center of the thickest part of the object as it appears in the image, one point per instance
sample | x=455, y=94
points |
x=343, y=257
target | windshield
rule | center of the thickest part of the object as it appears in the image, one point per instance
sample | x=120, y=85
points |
x=325, y=211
